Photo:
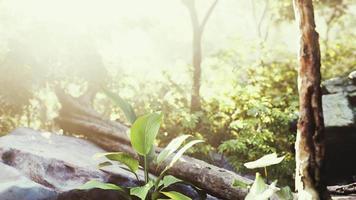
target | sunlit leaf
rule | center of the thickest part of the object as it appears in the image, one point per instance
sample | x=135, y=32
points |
x=267, y=160
x=171, y=148
x=169, y=180
x=144, y=131
x=141, y=192
x=260, y=190
x=121, y=157
x=240, y=184
x=104, y=164
x=285, y=193
x=97, y=184
x=176, y=195
x=181, y=151
x=124, y=106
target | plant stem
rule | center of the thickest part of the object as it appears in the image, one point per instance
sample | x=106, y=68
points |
x=138, y=179
x=146, y=169
x=266, y=174
x=156, y=188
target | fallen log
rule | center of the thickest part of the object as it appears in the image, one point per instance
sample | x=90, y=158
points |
x=343, y=189
x=78, y=117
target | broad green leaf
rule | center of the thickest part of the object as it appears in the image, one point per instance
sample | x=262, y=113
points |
x=176, y=195
x=267, y=160
x=141, y=192
x=97, y=184
x=124, y=106
x=144, y=131
x=181, y=151
x=123, y=158
x=240, y=184
x=169, y=180
x=151, y=156
x=260, y=190
x=171, y=148
x=285, y=193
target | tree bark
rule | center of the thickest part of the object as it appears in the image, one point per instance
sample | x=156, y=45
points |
x=198, y=29
x=310, y=146
x=79, y=118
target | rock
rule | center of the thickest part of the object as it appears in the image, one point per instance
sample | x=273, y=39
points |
x=334, y=85
x=15, y=186
x=60, y=162
x=57, y=164
x=339, y=101
x=337, y=110
x=352, y=77
x=352, y=97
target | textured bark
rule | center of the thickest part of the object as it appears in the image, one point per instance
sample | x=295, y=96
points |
x=310, y=147
x=77, y=117
x=198, y=29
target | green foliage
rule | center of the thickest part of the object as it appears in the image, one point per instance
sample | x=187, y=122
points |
x=248, y=101
x=285, y=193
x=265, y=161
x=171, y=148
x=168, y=180
x=122, y=158
x=260, y=190
x=97, y=184
x=142, y=136
x=339, y=58
x=142, y=191
x=144, y=131
x=181, y=151
x=124, y=106
x=176, y=195
x=240, y=184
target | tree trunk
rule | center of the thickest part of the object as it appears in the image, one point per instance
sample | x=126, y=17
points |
x=195, y=99
x=310, y=135
x=79, y=118
x=198, y=29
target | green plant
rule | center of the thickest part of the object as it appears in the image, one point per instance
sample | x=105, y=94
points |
x=264, y=162
x=143, y=133
x=260, y=190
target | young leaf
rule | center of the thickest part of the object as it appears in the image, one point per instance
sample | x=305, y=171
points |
x=240, y=184
x=121, y=157
x=125, y=107
x=144, y=131
x=285, y=193
x=176, y=195
x=97, y=184
x=171, y=148
x=169, y=180
x=260, y=190
x=270, y=191
x=141, y=192
x=181, y=151
x=104, y=164
x=257, y=187
x=267, y=160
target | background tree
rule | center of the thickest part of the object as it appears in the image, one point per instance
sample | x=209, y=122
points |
x=198, y=29
x=310, y=146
